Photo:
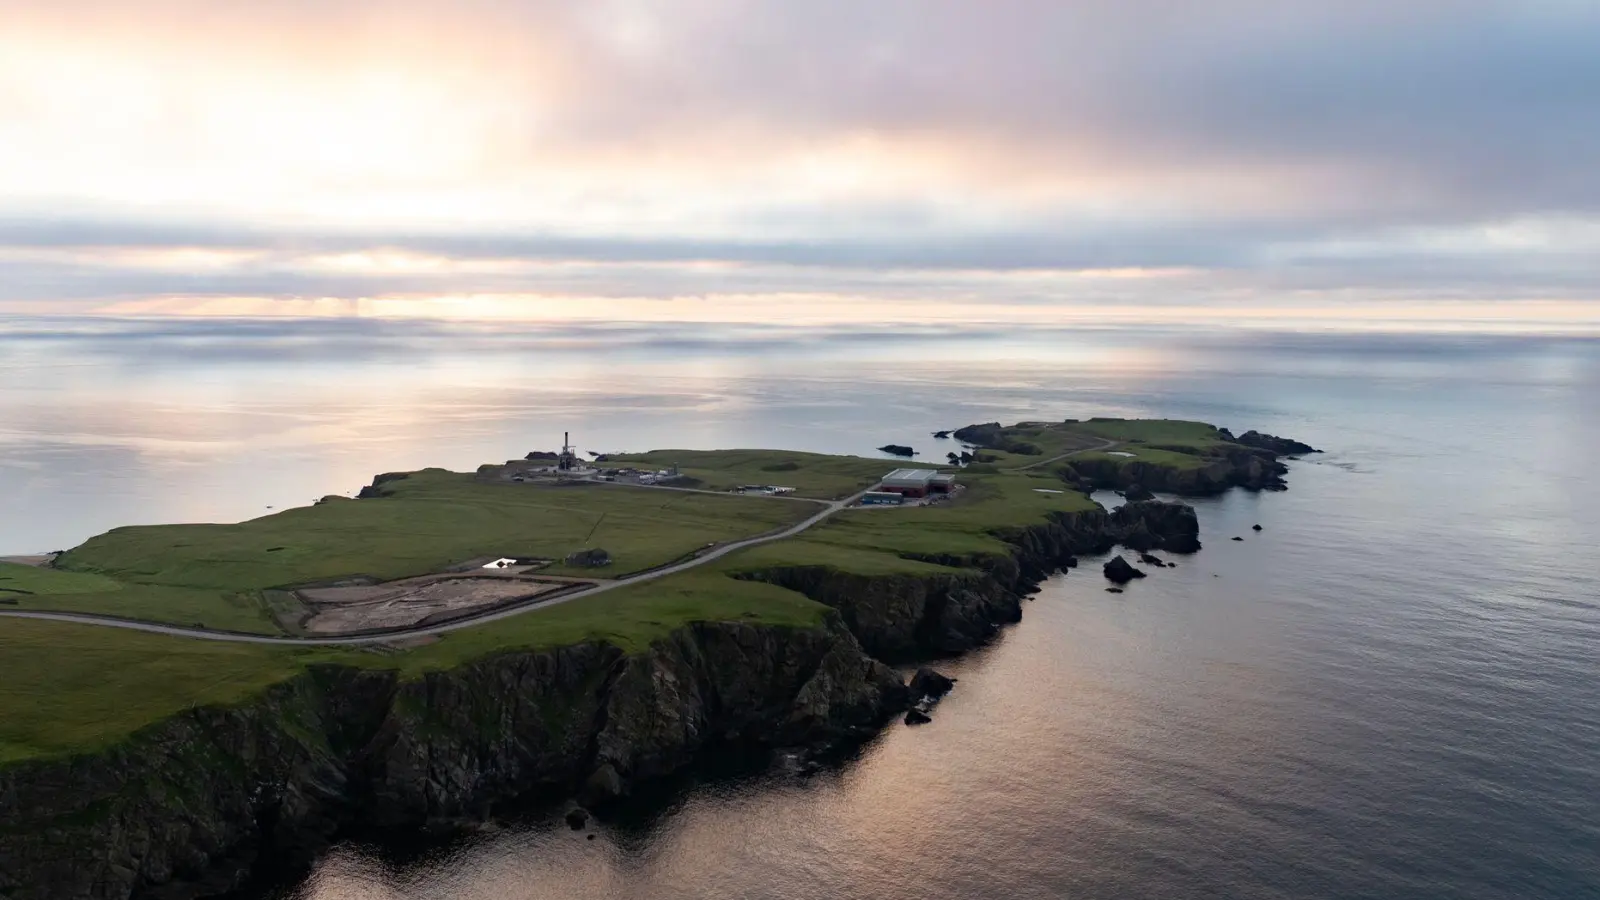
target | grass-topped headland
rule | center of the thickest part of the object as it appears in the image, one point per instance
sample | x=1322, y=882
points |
x=1169, y=455
x=101, y=683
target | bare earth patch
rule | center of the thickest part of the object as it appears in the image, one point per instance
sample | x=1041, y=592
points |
x=417, y=601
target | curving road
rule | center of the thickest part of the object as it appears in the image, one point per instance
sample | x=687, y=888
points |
x=504, y=612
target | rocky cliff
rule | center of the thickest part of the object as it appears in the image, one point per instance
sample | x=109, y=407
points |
x=1233, y=466
x=187, y=806
x=907, y=617
x=195, y=801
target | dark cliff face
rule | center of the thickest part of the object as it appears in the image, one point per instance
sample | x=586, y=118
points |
x=1246, y=467
x=901, y=618
x=186, y=806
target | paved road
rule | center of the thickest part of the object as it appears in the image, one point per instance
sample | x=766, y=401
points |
x=830, y=507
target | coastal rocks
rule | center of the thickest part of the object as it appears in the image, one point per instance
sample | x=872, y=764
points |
x=926, y=689
x=941, y=435
x=207, y=792
x=992, y=436
x=989, y=434
x=1137, y=492
x=1237, y=538
x=1150, y=560
x=1156, y=525
x=1119, y=571
x=1280, y=445
x=897, y=450
x=1255, y=527
x=901, y=618
x=1237, y=466
x=928, y=683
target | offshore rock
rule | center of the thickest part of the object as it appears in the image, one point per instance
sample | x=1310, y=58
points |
x=917, y=717
x=1119, y=571
x=929, y=684
x=897, y=450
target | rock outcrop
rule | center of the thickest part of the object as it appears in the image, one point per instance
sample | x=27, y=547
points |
x=1137, y=492
x=993, y=436
x=1235, y=466
x=929, y=684
x=197, y=799
x=593, y=558
x=1280, y=445
x=375, y=489
x=904, y=618
x=1119, y=571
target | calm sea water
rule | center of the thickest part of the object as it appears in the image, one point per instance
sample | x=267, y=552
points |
x=1390, y=692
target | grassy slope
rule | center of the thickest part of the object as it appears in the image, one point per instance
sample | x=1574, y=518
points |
x=430, y=521
x=18, y=580
x=78, y=687
x=213, y=574
x=812, y=474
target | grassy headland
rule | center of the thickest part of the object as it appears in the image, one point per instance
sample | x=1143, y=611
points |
x=73, y=688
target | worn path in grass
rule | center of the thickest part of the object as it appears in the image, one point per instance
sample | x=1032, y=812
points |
x=831, y=507
x=1107, y=445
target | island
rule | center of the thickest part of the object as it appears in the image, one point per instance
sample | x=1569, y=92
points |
x=182, y=702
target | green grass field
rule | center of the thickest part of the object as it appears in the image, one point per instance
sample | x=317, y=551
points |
x=71, y=688
x=19, y=580
x=810, y=474
x=1169, y=432
x=212, y=575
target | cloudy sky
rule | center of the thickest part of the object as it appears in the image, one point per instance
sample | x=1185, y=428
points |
x=1425, y=162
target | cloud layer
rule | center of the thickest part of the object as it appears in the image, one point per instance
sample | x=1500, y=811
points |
x=990, y=156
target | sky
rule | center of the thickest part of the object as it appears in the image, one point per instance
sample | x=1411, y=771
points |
x=1350, y=164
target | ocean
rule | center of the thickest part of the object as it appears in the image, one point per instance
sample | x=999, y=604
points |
x=1389, y=691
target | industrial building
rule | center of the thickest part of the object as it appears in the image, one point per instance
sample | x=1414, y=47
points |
x=917, y=482
x=881, y=498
